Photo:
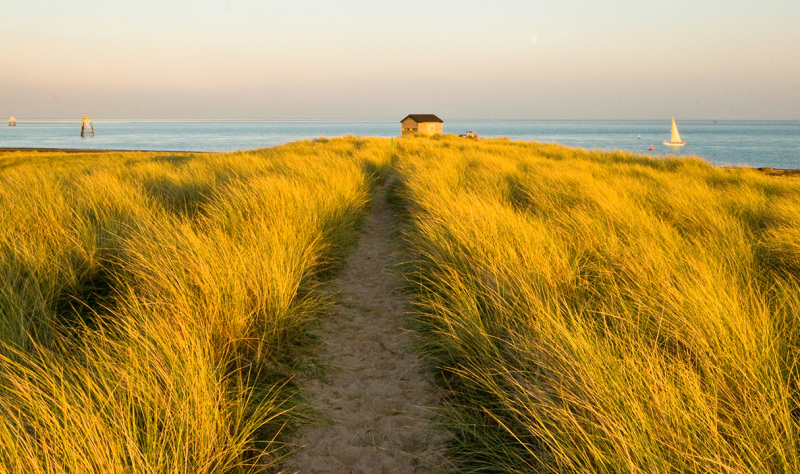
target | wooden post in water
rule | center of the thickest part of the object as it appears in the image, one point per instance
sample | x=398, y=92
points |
x=83, y=124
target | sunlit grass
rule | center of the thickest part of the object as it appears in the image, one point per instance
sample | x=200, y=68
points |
x=588, y=311
x=150, y=302
x=607, y=312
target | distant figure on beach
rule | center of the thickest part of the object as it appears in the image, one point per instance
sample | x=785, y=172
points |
x=12, y=122
x=83, y=124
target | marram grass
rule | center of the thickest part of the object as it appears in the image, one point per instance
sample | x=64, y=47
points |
x=607, y=312
x=150, y=302
x=588, y=311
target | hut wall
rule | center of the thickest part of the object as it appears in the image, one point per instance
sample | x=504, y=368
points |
x=409, y=127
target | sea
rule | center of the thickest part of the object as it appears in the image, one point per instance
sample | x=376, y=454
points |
x=774, y=144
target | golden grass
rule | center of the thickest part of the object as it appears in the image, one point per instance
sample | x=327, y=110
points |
x=150, y=302
x=607, y=312
x=589, y=311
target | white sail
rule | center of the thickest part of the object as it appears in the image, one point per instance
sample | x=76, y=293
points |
x=674, y=136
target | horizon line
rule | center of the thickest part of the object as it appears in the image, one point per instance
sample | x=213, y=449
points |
x=59, y=120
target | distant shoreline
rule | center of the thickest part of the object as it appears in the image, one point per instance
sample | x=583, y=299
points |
x=776, y=171
x=763, y=169
x=93, y=150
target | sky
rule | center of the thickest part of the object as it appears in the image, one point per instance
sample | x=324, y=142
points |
x=377, y=60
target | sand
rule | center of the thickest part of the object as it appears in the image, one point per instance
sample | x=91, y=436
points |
x=377, y=395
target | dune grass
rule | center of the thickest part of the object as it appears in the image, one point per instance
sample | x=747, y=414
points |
x=588, y=311
x=606, y=312
x=151, y=304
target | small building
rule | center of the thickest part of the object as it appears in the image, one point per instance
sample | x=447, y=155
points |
x=426, y=124
x=12, y=121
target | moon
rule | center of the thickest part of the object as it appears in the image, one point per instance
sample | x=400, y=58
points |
x=534, y=38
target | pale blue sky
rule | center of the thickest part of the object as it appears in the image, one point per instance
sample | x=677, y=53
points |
x=307, y=59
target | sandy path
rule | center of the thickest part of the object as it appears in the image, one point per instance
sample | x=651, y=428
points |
x=376, y=393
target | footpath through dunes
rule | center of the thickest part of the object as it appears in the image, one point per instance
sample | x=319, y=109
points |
x=376, y=397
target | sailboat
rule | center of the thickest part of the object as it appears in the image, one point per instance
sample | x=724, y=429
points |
x=674, y=138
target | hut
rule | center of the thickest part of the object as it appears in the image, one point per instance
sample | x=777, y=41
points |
x=426, y=124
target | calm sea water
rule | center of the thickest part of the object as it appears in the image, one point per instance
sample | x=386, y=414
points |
x=755, y=143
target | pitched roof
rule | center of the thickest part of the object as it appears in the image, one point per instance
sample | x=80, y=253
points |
x=419, y=118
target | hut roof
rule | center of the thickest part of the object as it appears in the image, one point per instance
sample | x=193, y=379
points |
x=420, y=118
